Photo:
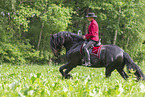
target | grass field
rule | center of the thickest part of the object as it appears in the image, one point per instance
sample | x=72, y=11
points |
x=46, y=81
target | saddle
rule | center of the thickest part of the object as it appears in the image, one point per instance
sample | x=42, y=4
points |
x=94, y=50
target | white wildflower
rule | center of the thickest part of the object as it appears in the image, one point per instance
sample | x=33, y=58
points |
x=31, y=92
x=101, y=74
x=120, y=89
x=65, y=89
x=48, y=92
x=94, y=93
x=12, y=85
x=88, y=78
x=142, y=87
x=31, y=74
x=21, y=95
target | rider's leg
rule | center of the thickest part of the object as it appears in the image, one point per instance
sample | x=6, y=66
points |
x=86, y=52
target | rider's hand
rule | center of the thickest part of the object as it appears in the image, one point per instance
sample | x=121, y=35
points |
x=84, y=37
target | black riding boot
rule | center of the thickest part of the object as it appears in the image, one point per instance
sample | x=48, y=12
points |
x=87, y=57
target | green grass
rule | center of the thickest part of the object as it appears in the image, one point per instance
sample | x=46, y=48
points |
x=46, y=81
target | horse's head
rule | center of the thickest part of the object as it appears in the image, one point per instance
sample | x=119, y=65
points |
x=56, y=44
x=66, y=39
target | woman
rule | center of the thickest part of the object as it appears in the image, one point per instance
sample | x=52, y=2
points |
x=92, y=37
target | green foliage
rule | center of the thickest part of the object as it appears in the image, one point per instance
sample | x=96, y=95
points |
x=26, y=21
x=45, y=81
x=22, y=14
x=55, y=18
x=18, y=53
x=35, y=20
x=58, y=16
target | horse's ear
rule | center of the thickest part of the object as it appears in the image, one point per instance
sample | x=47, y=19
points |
x=52, y=36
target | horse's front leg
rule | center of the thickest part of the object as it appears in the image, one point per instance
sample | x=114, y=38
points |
x=63, y=67
x=68, y=66
x=66, y=75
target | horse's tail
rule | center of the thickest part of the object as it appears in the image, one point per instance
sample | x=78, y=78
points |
x=132, y=66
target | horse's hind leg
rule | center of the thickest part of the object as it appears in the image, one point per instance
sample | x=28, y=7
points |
x=122, y=73
x=109, y=70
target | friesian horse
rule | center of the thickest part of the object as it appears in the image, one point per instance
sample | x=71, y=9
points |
x=111, y=57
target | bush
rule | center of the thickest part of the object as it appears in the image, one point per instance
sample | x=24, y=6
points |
x=18, y=53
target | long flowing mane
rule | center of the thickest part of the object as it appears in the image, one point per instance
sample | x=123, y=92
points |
x=69, y=36
x=59, y=39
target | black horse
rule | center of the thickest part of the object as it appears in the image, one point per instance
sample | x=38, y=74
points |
x=111, y=57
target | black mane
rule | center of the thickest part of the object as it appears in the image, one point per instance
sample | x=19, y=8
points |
x=70, y=36
x=58, y=39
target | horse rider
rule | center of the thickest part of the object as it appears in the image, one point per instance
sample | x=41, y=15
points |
x=92, y=37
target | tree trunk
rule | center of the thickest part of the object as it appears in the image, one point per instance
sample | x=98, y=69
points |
x=86, y=25
x=13, y=4
x=115, y=36
x=127, y=42
x=40, y=36
x=41, y=28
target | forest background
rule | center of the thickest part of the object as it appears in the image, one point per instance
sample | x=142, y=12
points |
x=26, y=25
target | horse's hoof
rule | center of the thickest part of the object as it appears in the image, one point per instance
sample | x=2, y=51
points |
x=68, y=76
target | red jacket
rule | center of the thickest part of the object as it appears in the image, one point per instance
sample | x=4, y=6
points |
x=93, y=31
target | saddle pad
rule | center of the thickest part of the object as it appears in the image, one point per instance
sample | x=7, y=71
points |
x=96, y=51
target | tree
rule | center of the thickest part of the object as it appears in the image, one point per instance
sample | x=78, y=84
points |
x=30, y=22
x=26, y=25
